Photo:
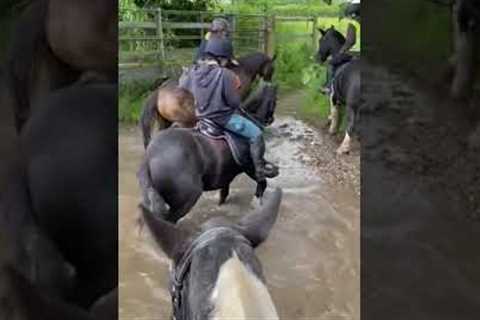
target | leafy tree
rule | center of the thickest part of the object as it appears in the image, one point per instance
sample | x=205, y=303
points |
x=199, y=5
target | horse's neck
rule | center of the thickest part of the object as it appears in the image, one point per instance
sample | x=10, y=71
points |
x=254, y=66
x=338, y=49
x=240, y=294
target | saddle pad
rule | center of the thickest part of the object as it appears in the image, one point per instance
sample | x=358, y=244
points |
x=239, y=147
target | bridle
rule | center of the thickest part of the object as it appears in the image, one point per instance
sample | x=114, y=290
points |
x=180, y=271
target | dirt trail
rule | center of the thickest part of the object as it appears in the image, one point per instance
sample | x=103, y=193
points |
x=311, y=259
x=421, y=187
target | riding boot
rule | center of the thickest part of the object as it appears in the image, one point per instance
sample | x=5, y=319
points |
x=257, y=150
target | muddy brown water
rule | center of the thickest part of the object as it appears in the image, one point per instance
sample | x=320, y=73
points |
x=311, y=258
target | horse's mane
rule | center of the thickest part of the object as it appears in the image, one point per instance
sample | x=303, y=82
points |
x=252, y=61
x=337, y=35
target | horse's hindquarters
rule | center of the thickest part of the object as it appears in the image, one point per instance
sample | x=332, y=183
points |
x=176, y=105
x=93, y=46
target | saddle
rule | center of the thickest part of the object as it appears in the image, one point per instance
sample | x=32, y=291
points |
x=239, y=146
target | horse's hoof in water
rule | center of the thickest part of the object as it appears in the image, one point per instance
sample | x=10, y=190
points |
x=332, y=132
x=257, y=202
x=261, y=187
x=271, y=170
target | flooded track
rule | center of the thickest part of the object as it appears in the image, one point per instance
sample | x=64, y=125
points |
x=311, y=258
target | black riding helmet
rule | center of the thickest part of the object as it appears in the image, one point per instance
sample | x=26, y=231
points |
x=219, y=48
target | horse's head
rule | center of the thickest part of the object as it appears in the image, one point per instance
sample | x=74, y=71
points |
x=268, y=69
x=256, y=64
x=329, y=44
x=202, y=260
x=269, y=105
x=262, y=103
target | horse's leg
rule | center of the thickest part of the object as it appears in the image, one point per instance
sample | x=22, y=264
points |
x=334, y=114
x=182, y=195
x=224, y=194
x=345, y=146
x=164, y=123
x=183, y=203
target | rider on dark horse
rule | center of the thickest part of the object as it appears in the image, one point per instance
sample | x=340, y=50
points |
x=217, y=99
x=343, y=56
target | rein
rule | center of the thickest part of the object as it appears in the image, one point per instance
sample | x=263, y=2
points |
x=178, y=274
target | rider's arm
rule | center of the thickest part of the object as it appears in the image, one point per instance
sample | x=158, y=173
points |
x=231, y=84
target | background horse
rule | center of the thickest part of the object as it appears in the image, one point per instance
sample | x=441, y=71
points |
x=256, y=105
x=170, y=104
x=49, y=51
x=226, y=279
x=466, y=26
x=181, y=163
x=70, y=150
x=346, y=85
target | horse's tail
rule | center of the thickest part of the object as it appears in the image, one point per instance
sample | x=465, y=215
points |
x=151, y=198
x=149, y=115
x=29, y=39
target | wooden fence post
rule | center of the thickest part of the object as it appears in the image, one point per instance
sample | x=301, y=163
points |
x=269, y=36
x=160, y=33
x=202, y=21
x=263, y=35
x=314, y=33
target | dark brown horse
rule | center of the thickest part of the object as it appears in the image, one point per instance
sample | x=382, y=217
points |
x=181, y=163
x=56, y=43
x=171, y=104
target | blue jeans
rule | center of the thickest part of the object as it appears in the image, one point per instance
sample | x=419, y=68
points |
x=243, y=127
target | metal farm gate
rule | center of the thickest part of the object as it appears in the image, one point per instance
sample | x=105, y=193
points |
x=173, y=36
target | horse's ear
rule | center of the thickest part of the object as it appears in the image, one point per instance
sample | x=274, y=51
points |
x=322, y=31
x=166, y=234
x=332, y=27
x=257, y=225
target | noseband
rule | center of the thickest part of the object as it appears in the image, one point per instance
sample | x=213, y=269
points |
x=179, y=272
